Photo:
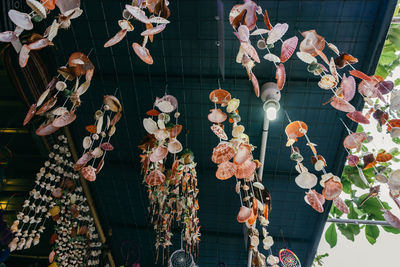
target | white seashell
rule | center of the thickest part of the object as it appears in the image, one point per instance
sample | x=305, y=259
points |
x=161, y=134
x=87, y=142
x=61, y=86
x=59, y=111
x=149, y=125
x=258, y=185
x=99, y=124
x=306, y=57
x=42, y=97
x=306, y=180
x=272, y=58
x=254, y=241
x=36, y=239
x=272, y=260
x=259, y=32
x=97, y=152
x=26, y=219
x=319, y=165
x=161, y=124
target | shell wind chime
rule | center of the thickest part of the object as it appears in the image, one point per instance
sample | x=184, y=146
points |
x=40, y=9
x=243, y=18
x=56, y=174
x=155, y=23
x=172, y=192
x=101, y=132
x=234, y=158
x=58, y=116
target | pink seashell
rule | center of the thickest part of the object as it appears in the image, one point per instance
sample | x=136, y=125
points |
x=256, y=86
x=353, y=160
x=243, y=33
x=342, y=105
x=20, y=19
x=348, y=86
x=89, y=173
x=250, y=18
x=155, y=177
x=312, y=43
x=244, y=214
x=137, y=13
x=100, y=166
x=391, y=219
x=51, y=256
x=217, y=116
x=170, y=99
x=339, y=203
x=226, y=170
x=47, y=106
x=358, y=117
x=159, y=153
x=223, y=152
x=218, y=131
x=23, y=56
x=153, y=30
x=243, y=154
x=40, y=44
x=385, y=87
x=368, y=88
x=246, y=169
x=30, y=114
x=277, y=32
x=312, y=199
x=174, y=146
x=250, y=51
x=46, y=129
x=8, y=36
x=116, y=38
x=83, y=160
x=319, y=196
x=280, y=76
x=332, y=189
x=107, y=146
x=57, y=192
x=288, y=48
x=65, y=119
x=354, y=140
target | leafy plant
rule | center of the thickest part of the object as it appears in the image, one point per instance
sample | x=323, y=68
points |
x=318, y=259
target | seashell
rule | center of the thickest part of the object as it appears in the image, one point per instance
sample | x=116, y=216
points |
x=258, y=185
x=61, y=86
x=277, y=32
x=312, y=43
x=245, y=12
x=333, y=48
x=280, y=76
x=312, y=200
x=150, y=125
x=106, y=146
x=272, y=58
x=368, y=89
x=288, y=48
x=154, y=30
x=112, y=130
x=306, y=180
x=327, y=82
x=97, y=153
x=332, y=69
x=89, y=173
x=30, y=114
x=83, y=160
x=52, y=31
x=46, y=129
x=113, y=103
x=342, y=105
x=125, y=25
x=254, y=241
x=259, y=31
x=217, y=116
x=158, y=153
x=250, y=51
x=332, y=189
x=158, y=20
x=174, y=146
x=175, y=131
x=99, y=125
x=23, y=56
x=51, y=256
x=116, y=38
x=143, y=53
x=223, y=152
x=348, y=86
x=40, y=44
x=47, y=105
x=42, y=97
x=20, y=19
x=246, y=169
x=256, y=86
x=238, y=130
x=352, y=160
x=339, y=203
x=137, y=13
x=83, y=88
x=243, y=153
x=232, y=105
x=261, y=44
x=37, y=7
x=244, y=214
x=155, y=177
x=391, y=219
x=272, y=260
x=354, y=140
x=161, y=134
x=219, y=131
x=59, y=111
x=344, y=59
x=166, y=104
x=54, y=211
x=64, y=120
x=385, y=87
x=306, y=57
x=225, y=170
x=358, y=117
x=36, y=239
x=8, y=36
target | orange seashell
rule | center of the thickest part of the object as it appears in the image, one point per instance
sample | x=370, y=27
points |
x=152, y=112
x=116, y=38
x=175, y=131
x=344, y=59
x=383, y=157
x=91, y=129
x=148, y=27
x=155, y=177
x=332, y=189
x=312, y=43
x=250, y=51
x=217, y=116
x=220, y=96
x=143, y=53
x=369, y=161
x=393, y=123
x=46, y=129
x=49, y=4
x=314, y=159
x=266, y=20
x=266, y=211
x=246, y=169
x=280, y=76
x=226, y=170
x=256, y=85
x=223, y=152
x=252, y=218
x=243, y=154
x=80, y=69
x=354, y=140
x=296, y=129
x=361, y=75
x=244, y=214
x=89, y=173
x=255, y=206
x=342, y=105
x=312, y=200
x=158, y=153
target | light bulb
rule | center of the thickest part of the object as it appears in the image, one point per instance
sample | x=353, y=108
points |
x=271, y=113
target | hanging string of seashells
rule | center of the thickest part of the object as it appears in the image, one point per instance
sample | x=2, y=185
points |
x=256, y=203
x=78, y=65
x=243, y=18
x=172, y=192
x=104, y=128
x=40, y=9
x=56, y=172
x=159, y=13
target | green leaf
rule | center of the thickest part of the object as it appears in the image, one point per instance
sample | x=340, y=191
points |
x=331, y=235
x=371, y=206
x=354, y=177
x=354, y=228
x=352, y=214
x=397, y=82
x=381, y=71
x=391, y=229
x=387, y=57
x=360, y=128
x=346, y=231
x=396, y=140
x=371, y=233
x=346, y=186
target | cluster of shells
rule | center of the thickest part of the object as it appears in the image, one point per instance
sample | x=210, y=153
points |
x=97, y=143
x=58, y=116
x=256, y=200
x=155, y=23
x=40, y=9
x=75, y=240
x=243, y=18
x=40, y=205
